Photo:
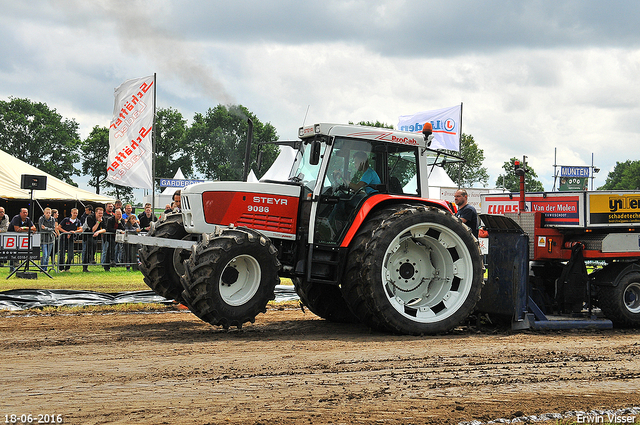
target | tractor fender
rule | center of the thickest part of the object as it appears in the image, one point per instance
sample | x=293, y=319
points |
x=613, y=273
x=375, y=201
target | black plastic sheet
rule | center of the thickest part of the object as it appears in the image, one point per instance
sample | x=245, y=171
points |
x=23, y=299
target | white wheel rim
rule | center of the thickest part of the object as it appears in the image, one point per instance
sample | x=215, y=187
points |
x=240, y=280
x=427, y=273
x=632, y=298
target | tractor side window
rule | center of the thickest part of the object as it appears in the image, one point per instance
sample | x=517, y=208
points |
x=344, y=163
x=403, y=172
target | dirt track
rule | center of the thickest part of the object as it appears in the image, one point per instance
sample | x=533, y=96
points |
x=291, y=367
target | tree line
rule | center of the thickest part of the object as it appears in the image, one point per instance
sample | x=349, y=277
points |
x=211, y=147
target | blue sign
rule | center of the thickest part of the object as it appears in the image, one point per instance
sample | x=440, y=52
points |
x=574, y=171
x=178, y=182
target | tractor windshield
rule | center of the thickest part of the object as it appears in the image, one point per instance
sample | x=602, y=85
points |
x=303, y=171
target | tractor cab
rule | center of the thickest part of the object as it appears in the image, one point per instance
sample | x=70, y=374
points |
x=346, y=170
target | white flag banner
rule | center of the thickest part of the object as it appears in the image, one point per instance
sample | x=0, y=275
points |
x=446, y=124
x=130, y=145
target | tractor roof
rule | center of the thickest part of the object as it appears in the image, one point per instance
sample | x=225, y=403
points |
x=363, y=132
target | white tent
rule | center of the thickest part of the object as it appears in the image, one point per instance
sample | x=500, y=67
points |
x=438, y=177
x=11, y=170
x=169, y=191
x=281, y=167
x=166, y=196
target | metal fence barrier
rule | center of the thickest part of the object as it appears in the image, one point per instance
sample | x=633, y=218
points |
x=82, y=249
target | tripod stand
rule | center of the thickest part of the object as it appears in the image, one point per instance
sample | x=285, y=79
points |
x=25, y=273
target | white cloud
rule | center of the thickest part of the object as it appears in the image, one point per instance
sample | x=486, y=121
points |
x=533, y=76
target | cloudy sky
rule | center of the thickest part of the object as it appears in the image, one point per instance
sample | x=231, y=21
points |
x=533, y=75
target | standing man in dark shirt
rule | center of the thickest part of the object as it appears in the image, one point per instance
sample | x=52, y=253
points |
x=466, y=212
x=68, y=228
x=109, y=208
x=146, y=217
x=21, y=222
x=89, y=244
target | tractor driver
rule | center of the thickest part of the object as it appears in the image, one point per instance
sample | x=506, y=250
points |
x=368, y=179
x=369, y=175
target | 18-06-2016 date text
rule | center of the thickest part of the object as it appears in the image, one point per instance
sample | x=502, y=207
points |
x=30, y=418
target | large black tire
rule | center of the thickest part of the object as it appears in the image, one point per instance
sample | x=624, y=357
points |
x=351, y=290
x=413, y=270
x=325, y=301
x=621, y=304
x=229, y=279
x=162, y=267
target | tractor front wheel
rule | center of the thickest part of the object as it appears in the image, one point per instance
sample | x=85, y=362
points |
x=229, y=279
x=161, y=266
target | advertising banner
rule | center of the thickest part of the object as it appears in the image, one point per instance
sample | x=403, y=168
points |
x=573, y=183
x=614, y=208
x=130, y=146
x=446, y=124
x=15, y=246
x=178, y=182
x=581, y=171
x=559, y=209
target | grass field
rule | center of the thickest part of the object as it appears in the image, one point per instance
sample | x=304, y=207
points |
x=117, y=280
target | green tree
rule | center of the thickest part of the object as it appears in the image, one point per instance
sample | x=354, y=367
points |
x=39, y=136
x=471, y=171
x=172, y=149
x=510, y=181
x=218, y=139
x=625, y=176
x=95, y=150
x=124, y=193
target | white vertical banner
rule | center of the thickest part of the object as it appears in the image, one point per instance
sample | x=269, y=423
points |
x=130, y=143
x=446, y=123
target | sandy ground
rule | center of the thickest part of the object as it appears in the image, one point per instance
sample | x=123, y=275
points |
x=292, y=368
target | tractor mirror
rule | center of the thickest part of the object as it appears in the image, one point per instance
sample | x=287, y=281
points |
x=315, y=153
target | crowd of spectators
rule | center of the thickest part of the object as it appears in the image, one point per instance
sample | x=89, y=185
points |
x=94, y=230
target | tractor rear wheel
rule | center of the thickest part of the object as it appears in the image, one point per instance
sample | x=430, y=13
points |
x=229, y=279
x=325, y=301
x=621, y=303
x=420, y=271
x=162, y=267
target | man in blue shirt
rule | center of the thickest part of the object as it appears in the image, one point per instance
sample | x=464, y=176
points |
x=360, y=189
x=369, y=177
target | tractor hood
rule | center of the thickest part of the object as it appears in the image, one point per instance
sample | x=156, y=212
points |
x=271, y=208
